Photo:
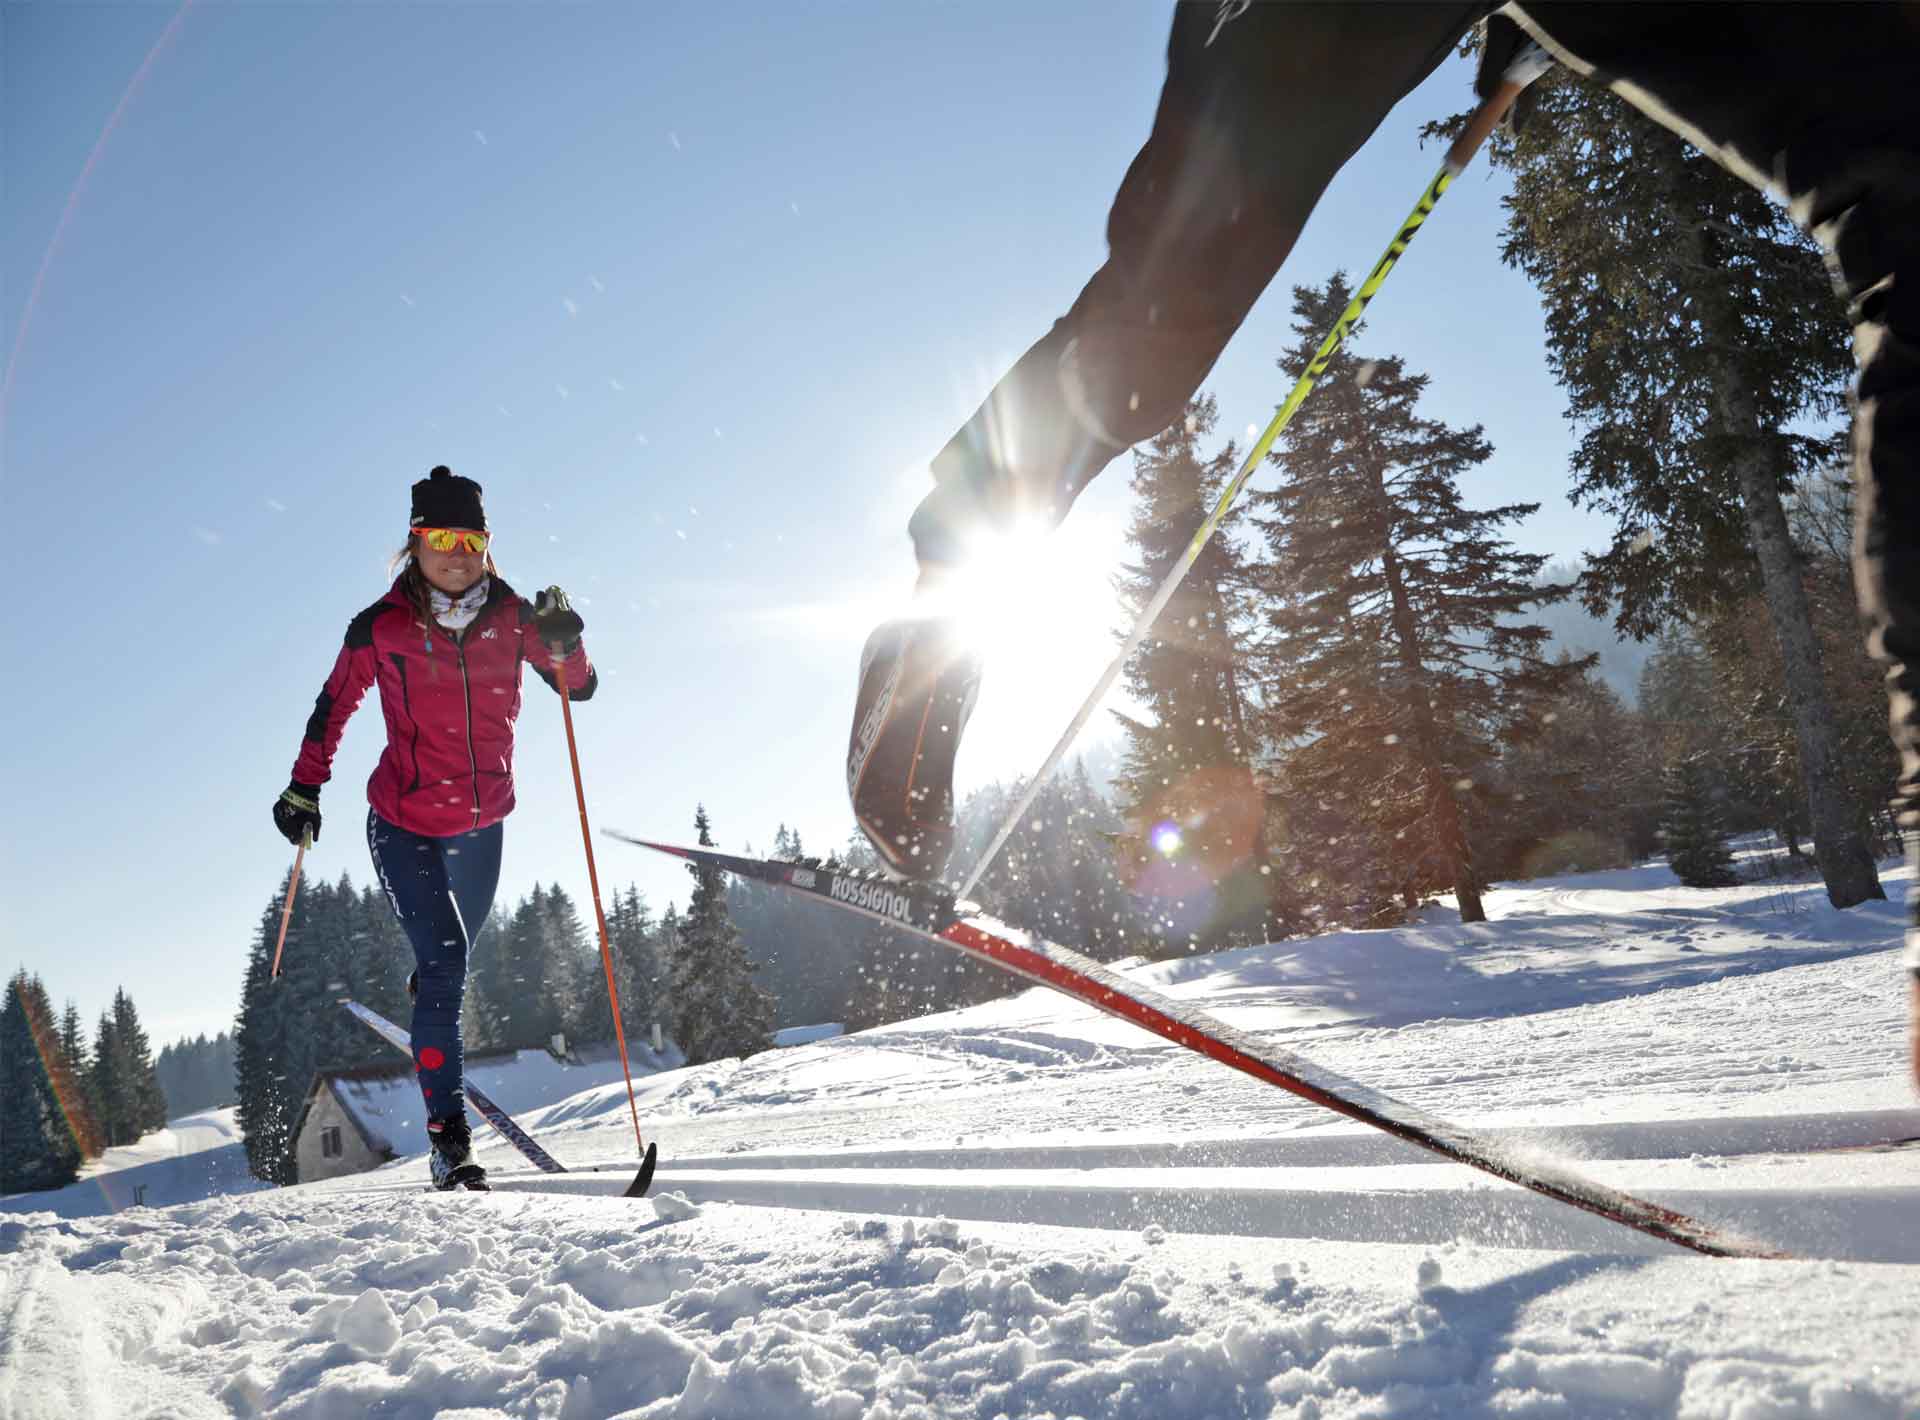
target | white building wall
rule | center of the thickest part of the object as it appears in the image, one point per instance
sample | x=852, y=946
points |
x=354, y=1157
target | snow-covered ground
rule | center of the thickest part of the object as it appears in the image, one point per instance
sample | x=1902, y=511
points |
x=196, y=1156
x=1028, y=1209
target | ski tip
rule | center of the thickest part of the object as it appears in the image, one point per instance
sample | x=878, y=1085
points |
x=639, y=842
x=643, y=1180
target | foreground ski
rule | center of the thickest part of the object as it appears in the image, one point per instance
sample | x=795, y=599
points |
x=502, y=1122
x=930, y=912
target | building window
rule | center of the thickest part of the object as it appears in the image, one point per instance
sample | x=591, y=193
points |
x=330, y=1142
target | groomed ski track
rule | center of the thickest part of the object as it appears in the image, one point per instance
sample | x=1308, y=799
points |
x=1797, y=1181
x=1745, y=1090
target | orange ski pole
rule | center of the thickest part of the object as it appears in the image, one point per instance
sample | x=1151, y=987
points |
x=286, y=912
x=599, y=915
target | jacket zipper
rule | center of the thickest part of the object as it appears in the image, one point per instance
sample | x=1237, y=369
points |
x=466, y=697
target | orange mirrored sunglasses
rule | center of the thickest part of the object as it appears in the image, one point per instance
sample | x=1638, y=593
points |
x=446, y=539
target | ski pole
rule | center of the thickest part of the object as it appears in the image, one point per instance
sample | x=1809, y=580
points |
x=1529, y=65
x=593, y=882
x=286, y=912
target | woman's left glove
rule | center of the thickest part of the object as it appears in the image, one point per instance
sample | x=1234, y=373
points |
x=296, y=813
x=557, y=623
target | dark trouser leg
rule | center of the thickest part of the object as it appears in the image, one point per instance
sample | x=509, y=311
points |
x=433, y=883
x=1257, y=116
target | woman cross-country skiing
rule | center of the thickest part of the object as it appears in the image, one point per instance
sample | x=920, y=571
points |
x=445, y=644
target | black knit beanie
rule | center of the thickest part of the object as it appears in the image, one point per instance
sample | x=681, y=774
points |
x=443, y=499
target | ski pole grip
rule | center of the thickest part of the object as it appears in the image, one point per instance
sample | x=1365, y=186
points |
x=1485, y=119
x=1528, y=65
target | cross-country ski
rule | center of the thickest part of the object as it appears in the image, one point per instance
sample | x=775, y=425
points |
x=1068, y=972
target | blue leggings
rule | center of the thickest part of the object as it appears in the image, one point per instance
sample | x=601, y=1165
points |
x=441, y=890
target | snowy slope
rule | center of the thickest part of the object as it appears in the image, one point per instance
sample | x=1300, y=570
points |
x=196, y=1156
x=1128, y=1230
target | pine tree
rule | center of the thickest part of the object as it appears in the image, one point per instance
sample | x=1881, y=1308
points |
x=145, y=1103
x=1695, y=839
x=719, y=1009
x=1697, y=334
x=576, y=982
x=340, y=942
x=265, y=1088
x=1397, y=652
x=41, y=1135
x=197, y=1074
x=636, y=963
x=77, y=1060
x=1584, y=792
x=1068, y=873
x=1196, y=813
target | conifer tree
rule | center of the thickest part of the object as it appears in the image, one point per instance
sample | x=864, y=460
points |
x=340, y=942
x=197, y=1074
x=719, y=1010
x=1697, y=335
x=40, y=1147
x=108, y=1084
x=1695, y=838
x=1195, y=813
x=1585, y=792
x=265, y=1086
x=1068, y=873
x=666, y=941
x=1397, y=652
x=635, y=961
x=575, y=980
x=78, y=1060
x=144, y=1102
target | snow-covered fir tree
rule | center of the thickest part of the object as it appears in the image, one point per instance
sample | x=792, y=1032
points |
x=719, y=1010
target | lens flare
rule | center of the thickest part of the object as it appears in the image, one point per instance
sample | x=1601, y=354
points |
x=1166, y=839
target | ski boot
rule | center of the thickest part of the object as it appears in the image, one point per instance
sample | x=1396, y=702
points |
x=450, y=1160
x=918, y=683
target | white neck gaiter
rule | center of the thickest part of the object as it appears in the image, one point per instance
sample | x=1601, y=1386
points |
x=457, y=613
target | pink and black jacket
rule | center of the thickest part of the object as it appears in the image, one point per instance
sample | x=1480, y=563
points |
x=450, y=708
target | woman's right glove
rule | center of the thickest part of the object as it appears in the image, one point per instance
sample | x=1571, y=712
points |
x=296, y=813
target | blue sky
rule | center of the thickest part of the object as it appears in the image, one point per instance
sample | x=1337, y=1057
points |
x=694, y=290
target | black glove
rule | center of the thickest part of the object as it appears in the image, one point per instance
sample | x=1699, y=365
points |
x=557, y=622
x=296, y=813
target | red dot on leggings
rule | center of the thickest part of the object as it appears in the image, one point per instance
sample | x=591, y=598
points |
x=431, y=1059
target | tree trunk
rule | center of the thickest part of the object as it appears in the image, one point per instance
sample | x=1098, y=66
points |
x=1835, y=823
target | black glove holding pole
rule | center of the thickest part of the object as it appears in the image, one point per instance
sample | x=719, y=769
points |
x=557, y=623
x=296, y=813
